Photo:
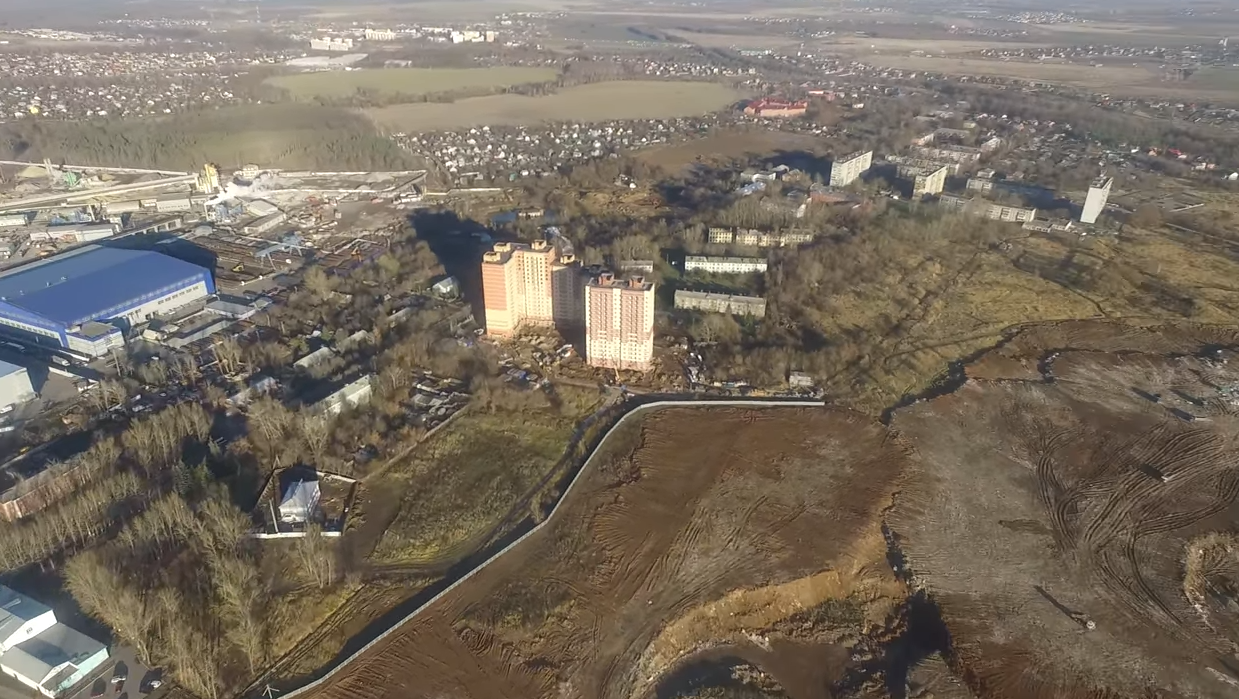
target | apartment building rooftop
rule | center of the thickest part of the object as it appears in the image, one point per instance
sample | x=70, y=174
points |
x=500, y=253
x=610, y=281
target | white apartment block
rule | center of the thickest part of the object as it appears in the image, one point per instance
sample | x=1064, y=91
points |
x=724, y=265
x=380, y=35
x=331, y=44
x=721, y=303
x=846, y=170
x=1095, y=202
x=929, y=182
x=759, y=239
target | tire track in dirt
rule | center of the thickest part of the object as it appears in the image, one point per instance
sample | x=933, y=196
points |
x=1120, y=485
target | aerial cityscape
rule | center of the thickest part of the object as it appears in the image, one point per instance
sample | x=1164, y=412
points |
x=527, y=349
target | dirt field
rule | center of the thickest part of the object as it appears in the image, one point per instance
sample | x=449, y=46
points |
x=724, y=144
x=1037, y=507
x=697, y=527
x=625, y=99
x=407, y=81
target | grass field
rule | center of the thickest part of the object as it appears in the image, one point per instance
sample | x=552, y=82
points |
x=723, y=144
x=467, y=479
x=629, y=99
x=1077, y=75
x=1215, y=78
x=406, y=81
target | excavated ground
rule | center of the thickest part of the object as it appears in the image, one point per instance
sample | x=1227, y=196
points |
x=1055, y=505
x=706, y=528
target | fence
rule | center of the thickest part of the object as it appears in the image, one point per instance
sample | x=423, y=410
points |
x=638, y=410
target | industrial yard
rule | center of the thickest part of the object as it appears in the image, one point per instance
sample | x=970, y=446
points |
x=252, y=226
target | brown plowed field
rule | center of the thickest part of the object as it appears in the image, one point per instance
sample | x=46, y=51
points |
x=656, y=553
x=1103, y=494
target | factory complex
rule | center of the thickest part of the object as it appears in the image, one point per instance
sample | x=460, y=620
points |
x=85, y=299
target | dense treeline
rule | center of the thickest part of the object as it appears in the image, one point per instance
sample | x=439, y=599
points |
x=287, y=136
x=184, y=585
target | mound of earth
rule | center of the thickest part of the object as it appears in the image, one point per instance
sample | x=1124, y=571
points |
x=695, y=531
x=1074, y=515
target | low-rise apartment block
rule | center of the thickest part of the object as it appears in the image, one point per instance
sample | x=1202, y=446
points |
x=950, y=153
x=758, y=239
x=380, y=35
x=331, y=44
x=724, y=265
x=619, y=323
x=846, y=170
x=734, y=304
x=953, y=168
x=988, y=210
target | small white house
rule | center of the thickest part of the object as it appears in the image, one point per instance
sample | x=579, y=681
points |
x=300, y=502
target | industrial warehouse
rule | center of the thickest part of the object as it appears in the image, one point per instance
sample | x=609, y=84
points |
x=83, y=300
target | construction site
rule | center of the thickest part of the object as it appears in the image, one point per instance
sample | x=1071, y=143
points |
x=1098, y=559
x=693, y=530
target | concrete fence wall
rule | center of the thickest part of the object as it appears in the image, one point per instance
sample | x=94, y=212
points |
x=639, y=410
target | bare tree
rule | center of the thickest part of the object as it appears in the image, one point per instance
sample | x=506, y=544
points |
x=105, y=594
x=241, y=598
x=316, y=434
x=316, y=557
x=229, y=355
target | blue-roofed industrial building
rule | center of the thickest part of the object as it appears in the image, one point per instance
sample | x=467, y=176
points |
x=85, y=299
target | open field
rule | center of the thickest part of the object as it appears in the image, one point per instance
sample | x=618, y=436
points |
x=935, y=299
x=1076, y=75
x=625, y=99
x=1215, y=78
x=406, y=81
x=693, y=528
x=1100, y=503
x=726, y=143
x=466, y=481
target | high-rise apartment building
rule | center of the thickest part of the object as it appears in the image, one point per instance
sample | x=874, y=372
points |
x=846, y=170
x=530, y=286
x=619, y=322
x=1095, y=202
